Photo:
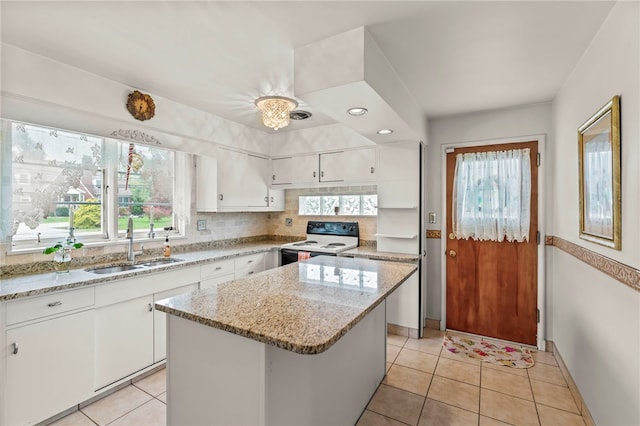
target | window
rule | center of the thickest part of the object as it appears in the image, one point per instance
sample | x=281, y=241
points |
x=60, y=179
x=343, y=205
x=492, y=195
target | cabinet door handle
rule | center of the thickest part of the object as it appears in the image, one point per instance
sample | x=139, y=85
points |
x=266, y=199
x=273, y=177
x=221, y=197
x=150, y=307
x=15, y=348
x=249, y=261
x=250, y=272
x=272, y=199
x=52, y=304
x=373, y=169
x=322, y=174
x=218, y=268
x=314, y=174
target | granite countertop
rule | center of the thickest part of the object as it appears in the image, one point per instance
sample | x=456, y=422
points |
x=372, y=253
x=30, y=285
x=304, y=307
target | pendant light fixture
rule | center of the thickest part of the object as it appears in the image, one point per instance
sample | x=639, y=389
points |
x=275, y=110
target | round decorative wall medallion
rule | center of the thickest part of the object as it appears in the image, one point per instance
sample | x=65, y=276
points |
x=141, y=105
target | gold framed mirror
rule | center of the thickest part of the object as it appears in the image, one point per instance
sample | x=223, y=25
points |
x=599, y=171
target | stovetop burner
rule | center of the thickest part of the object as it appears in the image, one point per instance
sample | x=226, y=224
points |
x=304, y=243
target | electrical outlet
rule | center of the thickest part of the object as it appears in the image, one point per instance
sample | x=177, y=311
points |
x=288, y=222
x=202, y=225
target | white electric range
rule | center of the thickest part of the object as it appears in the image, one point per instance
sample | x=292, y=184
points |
x=323, y=238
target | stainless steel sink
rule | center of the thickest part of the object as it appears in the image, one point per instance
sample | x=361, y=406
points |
x=112, y=269
x=162, y=261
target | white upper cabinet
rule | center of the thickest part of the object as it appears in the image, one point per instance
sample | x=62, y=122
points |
x=206, y=184
x=357, y=165
x=304, y=169
x=232, y=171
x=256, y=190
x=281, y=171
x=352, y=166
x=243, y=183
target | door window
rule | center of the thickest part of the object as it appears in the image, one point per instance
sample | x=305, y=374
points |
x=492, y=195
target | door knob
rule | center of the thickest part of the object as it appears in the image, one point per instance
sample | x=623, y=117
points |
x=452, y=253
x=452, y=236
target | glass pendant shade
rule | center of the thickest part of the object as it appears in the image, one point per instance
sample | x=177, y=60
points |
x=275, y=110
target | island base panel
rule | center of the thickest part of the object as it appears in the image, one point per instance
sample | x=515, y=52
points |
x=213, y=377
x=219, y=378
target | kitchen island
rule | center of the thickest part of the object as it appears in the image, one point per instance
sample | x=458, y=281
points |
x=302, y=344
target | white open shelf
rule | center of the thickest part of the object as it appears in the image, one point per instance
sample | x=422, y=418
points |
x=403, y=237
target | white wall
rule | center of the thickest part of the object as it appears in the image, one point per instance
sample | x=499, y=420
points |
x=513, y=122
x=596, y=324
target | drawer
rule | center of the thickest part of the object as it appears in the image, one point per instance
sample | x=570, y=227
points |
x=249, y=270
x=214, y=281
x=49, y=304
x=249, y=261
x=217, y=268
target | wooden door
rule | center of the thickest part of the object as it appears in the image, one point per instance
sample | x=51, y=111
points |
x=492, y=286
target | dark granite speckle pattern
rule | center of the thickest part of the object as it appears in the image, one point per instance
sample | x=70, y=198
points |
x=304, y=307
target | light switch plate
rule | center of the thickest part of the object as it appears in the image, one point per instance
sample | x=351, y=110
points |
x=202, y=225
x=288, y=221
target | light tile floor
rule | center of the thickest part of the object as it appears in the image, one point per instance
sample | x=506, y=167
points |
x=140, y=404
x=425, y=385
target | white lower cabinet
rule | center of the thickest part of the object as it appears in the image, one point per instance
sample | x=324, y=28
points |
x=248, y=265
x=160, y=321
x=124, y=339
x=218, y=272
x=49, y=367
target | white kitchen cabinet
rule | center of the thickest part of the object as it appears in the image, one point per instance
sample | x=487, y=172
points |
x=124, y=328
x=282, y=171
x=124, y=339
x=276, y=200
x=49, y=367
x=160, y=321
x=243, y=183
x=232, y=168
x=255, y=186
x=357, y=165
x=305, y=169
x=206, y=184
x=249, y=264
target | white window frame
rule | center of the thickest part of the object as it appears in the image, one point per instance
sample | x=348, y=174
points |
x=109, y=231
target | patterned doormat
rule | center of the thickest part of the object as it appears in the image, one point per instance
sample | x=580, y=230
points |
x=509, y=356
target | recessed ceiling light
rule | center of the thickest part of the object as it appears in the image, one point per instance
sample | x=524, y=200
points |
x=357, y=111
x=385, y=131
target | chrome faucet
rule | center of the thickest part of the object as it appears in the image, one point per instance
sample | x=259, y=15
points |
x=131, y=255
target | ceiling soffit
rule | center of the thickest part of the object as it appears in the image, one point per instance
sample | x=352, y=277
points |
x=349, y=70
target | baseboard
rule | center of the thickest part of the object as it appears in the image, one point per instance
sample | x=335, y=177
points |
x=402, y=331
x=433, y=324
x=573, y=388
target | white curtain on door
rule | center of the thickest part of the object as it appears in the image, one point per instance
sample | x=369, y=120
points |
x=492, y=195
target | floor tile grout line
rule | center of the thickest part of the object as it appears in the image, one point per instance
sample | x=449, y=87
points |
x=133, y=409
x=386, y=417
x=533, y=395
